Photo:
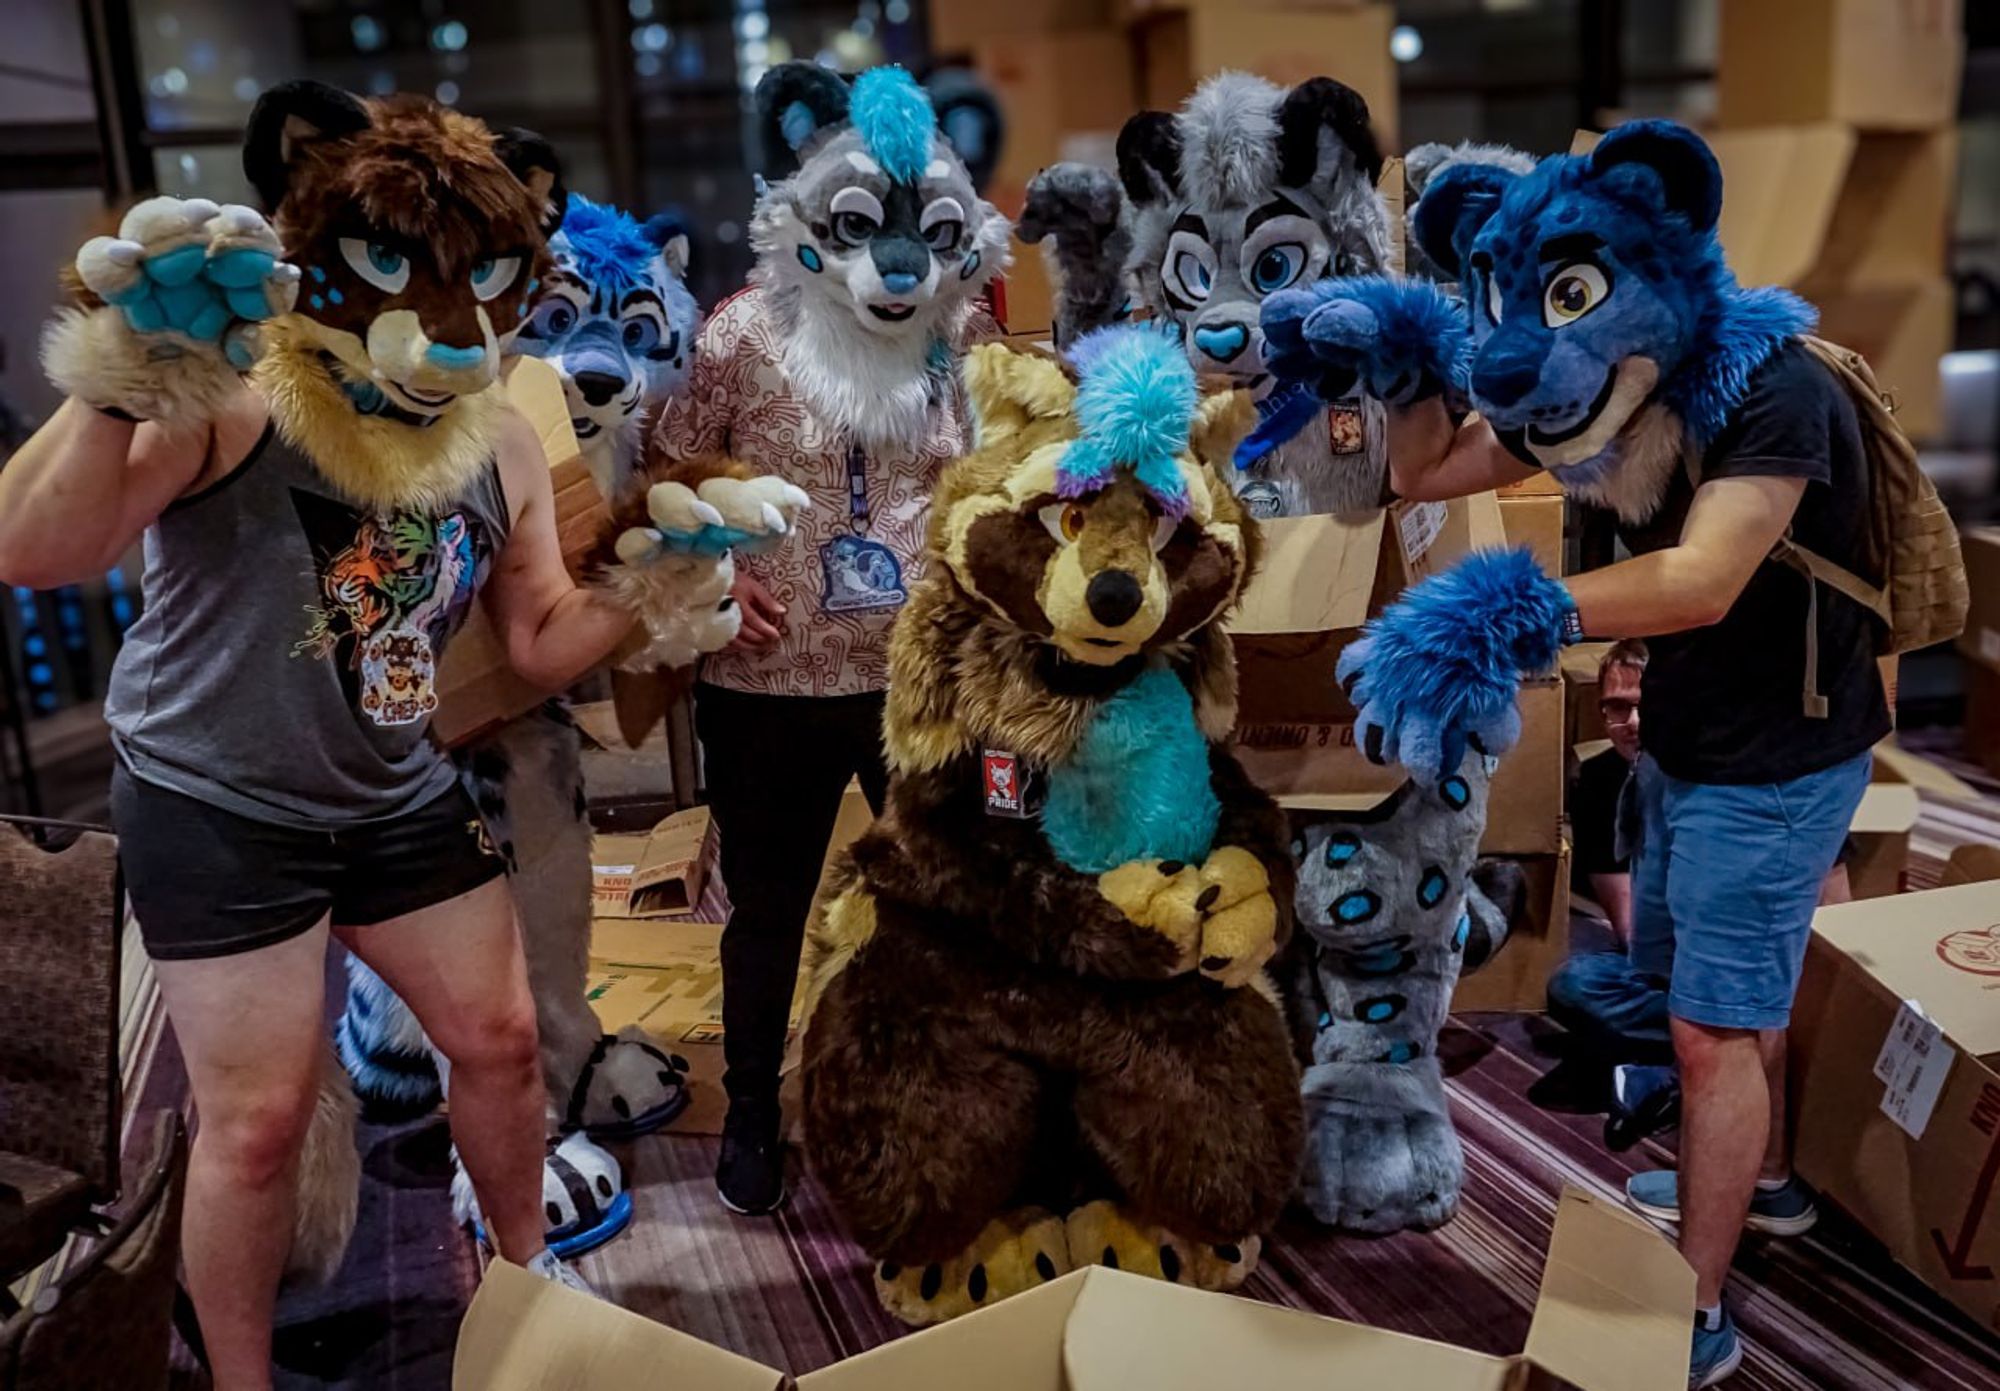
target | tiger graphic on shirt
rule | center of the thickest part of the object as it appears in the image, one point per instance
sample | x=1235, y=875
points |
x=392, y=587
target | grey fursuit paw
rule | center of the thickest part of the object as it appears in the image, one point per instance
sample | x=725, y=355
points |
x=1381, y=1154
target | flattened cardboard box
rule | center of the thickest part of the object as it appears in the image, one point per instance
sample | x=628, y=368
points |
x=665, y=975
x=1613, y=1314
x=656, y=875
x=1932, y=1197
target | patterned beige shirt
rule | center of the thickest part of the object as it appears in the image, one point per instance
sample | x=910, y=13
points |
x=737, y=401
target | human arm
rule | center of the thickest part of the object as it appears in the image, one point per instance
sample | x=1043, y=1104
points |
x=552, y=629
x=1613, y=893
x=1433, y=460
x=1731, y=526
x=76, y=496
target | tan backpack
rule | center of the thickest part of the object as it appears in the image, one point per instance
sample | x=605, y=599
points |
x=1911, y=541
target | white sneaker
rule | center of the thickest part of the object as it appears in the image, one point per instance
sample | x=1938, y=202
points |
x=549, y=1266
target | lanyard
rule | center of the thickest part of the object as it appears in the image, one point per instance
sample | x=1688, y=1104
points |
x=857, y=489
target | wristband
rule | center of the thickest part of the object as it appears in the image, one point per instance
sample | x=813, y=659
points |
x=1572, y=624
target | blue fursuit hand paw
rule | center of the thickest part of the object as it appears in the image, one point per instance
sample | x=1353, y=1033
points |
x=1396, y=340
x=1437, y=672
x=194, y=272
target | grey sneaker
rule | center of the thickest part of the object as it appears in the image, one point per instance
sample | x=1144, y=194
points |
x=1786, y=1211
x=550, y=1267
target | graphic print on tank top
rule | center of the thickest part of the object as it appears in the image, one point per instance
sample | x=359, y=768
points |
x=391, y=590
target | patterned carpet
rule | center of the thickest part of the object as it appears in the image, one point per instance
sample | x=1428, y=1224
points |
x=1827, y=1312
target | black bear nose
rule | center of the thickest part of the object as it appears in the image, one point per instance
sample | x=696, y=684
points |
x=598, y=387
x=1113, y=597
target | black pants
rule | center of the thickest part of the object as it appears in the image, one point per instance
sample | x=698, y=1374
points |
x=776, y=767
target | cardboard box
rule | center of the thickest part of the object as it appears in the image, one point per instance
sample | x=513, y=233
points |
x=1320, y=579
x=1824, y=207
x=957, y=26
x=656, y=875
x=1880, y=829
x=1928, y=1192
x=477, y=687
x=1516, y=980
x=1179, y=47
x=1903, y=334
x=1052, y=86
x=1531, y=514
x=1980, y=642
x=1613, y=1314
x=1887, y=64
x=1135, y=11
x=1583, y=721
x=1827, y=208
x=665, y=975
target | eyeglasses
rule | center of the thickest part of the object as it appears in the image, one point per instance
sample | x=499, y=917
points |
x=1619, y=711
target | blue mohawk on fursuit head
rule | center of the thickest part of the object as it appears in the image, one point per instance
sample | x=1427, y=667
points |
x=1135, y=406
x=895, y=120
x=609, y=246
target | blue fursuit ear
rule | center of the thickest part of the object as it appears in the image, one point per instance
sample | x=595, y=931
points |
x=1454, y=207
x=1135, y=406
x=894, y=117
x=1688, y=179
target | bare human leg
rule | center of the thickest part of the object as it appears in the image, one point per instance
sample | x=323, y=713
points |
x=1726, y=1110
x=252, y=1032
x=458, y=965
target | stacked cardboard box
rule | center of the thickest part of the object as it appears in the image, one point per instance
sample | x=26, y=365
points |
x=1840, y=152
x=1068, y=76
x=1895, y=1080
x=1321, y=578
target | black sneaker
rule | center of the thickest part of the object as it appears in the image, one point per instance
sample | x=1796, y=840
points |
x=750, y=1175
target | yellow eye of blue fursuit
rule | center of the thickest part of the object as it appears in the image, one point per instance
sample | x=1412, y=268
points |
x=894, y=118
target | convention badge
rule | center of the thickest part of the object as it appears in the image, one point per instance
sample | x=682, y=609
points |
x=1261, y=499
x=858, y=575
x=1010, y=785
x=1343, y=429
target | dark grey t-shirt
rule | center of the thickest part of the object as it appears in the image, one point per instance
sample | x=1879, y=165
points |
x=285, y=666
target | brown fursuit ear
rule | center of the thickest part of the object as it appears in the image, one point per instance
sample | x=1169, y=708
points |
x=1009, y=387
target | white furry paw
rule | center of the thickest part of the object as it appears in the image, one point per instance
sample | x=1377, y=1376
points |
x=765, y=508
x=185, y=282
x=682, y=597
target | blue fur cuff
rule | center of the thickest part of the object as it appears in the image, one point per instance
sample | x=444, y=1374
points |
x=1439, y=669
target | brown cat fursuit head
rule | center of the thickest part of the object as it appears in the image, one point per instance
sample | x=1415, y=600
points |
x=1015, y=1066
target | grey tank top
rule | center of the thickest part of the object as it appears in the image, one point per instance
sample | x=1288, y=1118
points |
x=284, y=668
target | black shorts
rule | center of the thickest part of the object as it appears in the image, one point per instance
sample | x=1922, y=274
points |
x=205, y=882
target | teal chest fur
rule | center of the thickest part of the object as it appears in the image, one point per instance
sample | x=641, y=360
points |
x=1137, y=787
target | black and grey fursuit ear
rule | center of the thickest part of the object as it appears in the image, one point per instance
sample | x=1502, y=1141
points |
x=1149, y=157
x=1312, y=112
x=1690, y=178
x=533, y=161
x=670, y=233
x=795, y=101
x=1454, y=207
x=969, y=118
x=287, y=116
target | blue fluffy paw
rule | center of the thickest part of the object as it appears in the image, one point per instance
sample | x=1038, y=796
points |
x=1437, y=672
x=194, y=271
x=1396, y=340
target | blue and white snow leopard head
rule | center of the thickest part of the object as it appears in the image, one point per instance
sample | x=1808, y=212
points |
x=615, y=317
x=1247, y=190
x=873, y=250
x=1606, y=328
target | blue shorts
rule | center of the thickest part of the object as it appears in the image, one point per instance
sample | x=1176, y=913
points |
x=1725, y=882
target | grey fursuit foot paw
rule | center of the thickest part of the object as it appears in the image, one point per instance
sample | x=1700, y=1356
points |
x=1381, y=1154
